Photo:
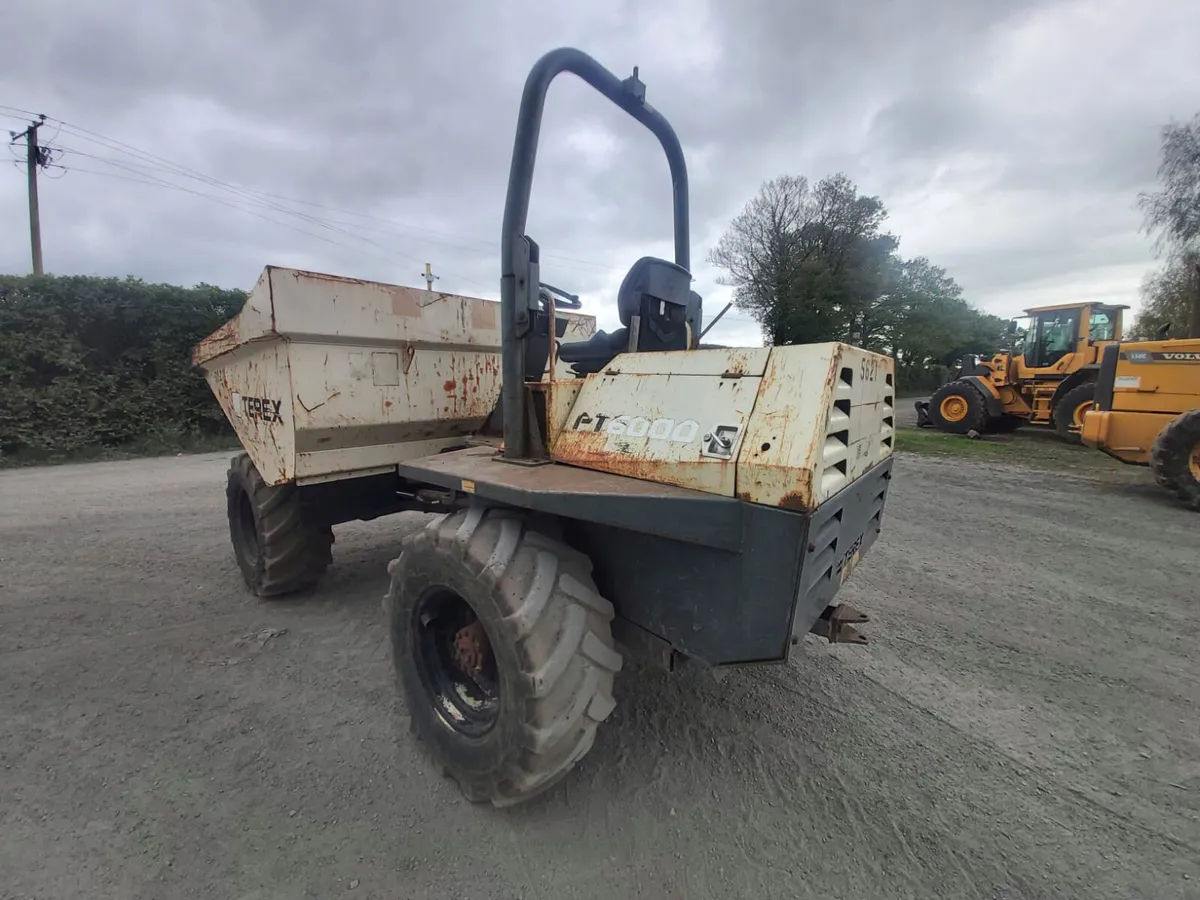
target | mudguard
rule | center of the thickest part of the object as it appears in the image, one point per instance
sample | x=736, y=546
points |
x=991, y=398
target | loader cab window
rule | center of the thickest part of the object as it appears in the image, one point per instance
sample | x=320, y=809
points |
x=1054, y=335
x=1018, y=334
x=1103, y=325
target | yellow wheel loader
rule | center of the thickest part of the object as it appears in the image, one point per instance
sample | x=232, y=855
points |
x=1047, y=379
x=1147, y=412
x=625, y=495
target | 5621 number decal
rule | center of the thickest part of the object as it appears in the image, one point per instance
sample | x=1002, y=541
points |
x=868, y=368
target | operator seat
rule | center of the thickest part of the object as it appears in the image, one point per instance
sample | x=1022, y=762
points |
x=660, y=293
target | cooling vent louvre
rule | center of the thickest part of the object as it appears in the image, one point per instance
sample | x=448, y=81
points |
x=836, y=452
x=887, y=432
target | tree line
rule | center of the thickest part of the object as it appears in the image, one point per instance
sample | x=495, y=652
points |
x=814, y=263
x=1171, y=293
x=91, y=363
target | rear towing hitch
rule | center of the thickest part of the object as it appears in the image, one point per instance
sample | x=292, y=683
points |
x=835, y=624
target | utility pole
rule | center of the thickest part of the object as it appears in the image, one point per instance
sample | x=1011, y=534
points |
x=430, y=278
x=35, y=156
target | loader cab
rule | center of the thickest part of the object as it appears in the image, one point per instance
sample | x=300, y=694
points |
x=1050, y=337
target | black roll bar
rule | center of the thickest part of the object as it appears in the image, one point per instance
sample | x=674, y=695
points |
x=518, y=290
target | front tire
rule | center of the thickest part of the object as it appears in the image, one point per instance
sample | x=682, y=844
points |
x=503, y=651
x=1175, y=458
x=1069, y=411
x=959, y=408
x=277, y=551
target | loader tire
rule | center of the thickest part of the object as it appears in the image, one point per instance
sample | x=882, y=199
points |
x=277, y=551
x=958, y=407
x=1175, y=458
x=502, y=650
x=1068, y=412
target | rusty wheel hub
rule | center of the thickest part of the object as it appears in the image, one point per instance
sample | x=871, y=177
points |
x=455, y=662
x=471, y=648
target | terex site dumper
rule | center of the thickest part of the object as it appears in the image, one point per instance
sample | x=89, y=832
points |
x=627, y=493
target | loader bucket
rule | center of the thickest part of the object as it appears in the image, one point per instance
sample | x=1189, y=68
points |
x=923, y=414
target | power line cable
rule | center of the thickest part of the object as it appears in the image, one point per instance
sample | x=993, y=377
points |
x=231, y=205
x=143, y=159
x=148, y=178
x=185, y=171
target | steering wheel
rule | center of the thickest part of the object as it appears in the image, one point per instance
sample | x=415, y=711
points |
x=562, y=300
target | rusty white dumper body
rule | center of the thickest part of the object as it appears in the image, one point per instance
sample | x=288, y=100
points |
x=593, y=498
x=786, y=427
x=326, y=378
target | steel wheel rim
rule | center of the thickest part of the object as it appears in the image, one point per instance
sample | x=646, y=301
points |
x=467, y=703
x=954, y=409
x=1194, y=462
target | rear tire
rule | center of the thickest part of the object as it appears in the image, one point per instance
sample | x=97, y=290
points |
x=509, y=710
x=277, y=551
x=1068, y=412
x=958, y=407
x=1175, y=458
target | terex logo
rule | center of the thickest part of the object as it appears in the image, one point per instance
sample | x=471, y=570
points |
x=639, y=426
x=263, y=408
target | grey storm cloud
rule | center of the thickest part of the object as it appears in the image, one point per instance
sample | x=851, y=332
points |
x=1008, y=140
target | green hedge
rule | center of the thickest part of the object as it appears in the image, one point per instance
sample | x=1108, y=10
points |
x=919, y=381
x=89, y=364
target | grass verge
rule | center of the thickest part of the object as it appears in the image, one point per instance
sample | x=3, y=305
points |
x=1027, y=447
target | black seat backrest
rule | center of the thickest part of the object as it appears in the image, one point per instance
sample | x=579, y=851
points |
x=660, y=293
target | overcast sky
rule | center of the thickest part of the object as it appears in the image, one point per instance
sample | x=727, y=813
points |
x=1008, y=138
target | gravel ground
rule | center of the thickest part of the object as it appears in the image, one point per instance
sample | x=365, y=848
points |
x=1024, y=724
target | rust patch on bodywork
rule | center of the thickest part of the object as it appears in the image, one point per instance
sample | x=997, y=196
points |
x=224, y=339
x=790, y=487
x=592, y=450
x=404, y=302
x=739, y=364
x=794, y=500
x=483, y=315
x=323, y=276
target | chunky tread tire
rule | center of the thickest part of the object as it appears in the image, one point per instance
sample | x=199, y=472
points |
x=976, y=418
x=284, y=554
x=1170, y=458
x=1064, y=410
x=550, y=632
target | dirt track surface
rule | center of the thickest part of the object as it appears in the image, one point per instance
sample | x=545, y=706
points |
x=1024, y=724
